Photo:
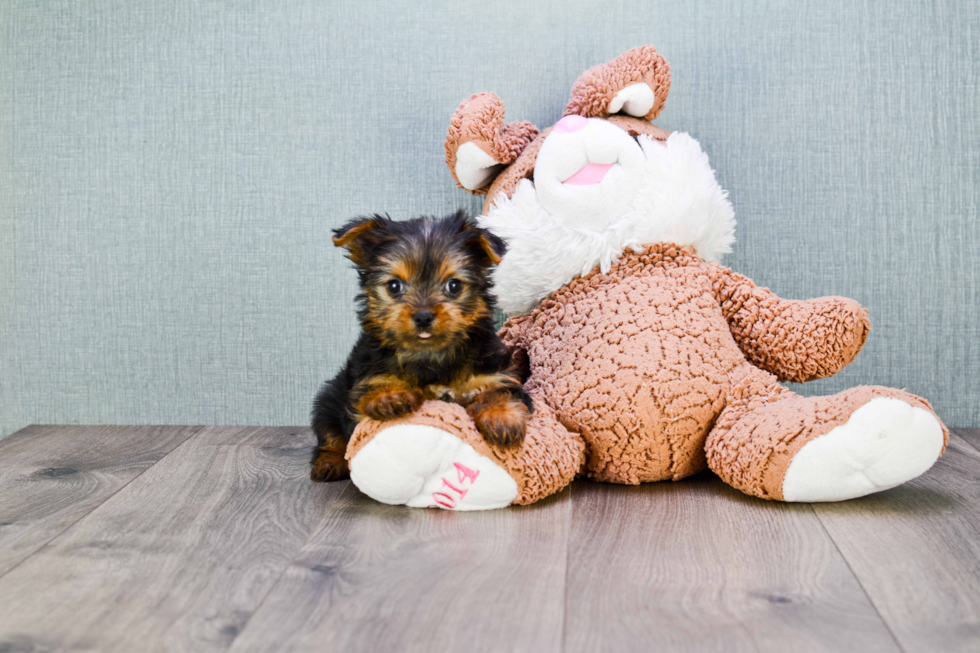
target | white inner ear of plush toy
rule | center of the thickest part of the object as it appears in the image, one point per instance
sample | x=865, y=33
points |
x=474, y=167
x=636, y=100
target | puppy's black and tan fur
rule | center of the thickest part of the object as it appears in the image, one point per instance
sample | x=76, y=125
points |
x=427, y=317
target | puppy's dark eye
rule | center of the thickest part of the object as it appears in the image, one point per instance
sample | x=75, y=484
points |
x=394, y=287
x=453, y=287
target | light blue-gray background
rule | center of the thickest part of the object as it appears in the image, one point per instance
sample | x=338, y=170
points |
x=170, y=172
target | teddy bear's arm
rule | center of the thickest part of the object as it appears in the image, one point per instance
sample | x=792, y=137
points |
x=795, y=340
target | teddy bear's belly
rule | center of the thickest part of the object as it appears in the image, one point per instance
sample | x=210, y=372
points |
x=641, y=369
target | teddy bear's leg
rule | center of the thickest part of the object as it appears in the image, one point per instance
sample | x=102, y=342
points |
x=436, y=458
x=775, y=444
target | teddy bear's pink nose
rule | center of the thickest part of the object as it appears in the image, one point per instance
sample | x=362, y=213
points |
x=571, y=124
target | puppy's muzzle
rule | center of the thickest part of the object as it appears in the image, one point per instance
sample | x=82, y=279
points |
x=423, y=319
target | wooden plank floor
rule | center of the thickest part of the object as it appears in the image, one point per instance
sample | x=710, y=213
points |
x=213, y=539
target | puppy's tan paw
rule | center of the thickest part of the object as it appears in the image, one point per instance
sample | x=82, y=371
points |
x=500, y=418
x=388, y=404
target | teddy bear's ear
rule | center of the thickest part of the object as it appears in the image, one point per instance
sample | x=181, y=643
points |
x=479, y=145
x=635, y=83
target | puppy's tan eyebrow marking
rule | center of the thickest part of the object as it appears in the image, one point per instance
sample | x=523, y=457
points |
x=448, y=269
x=402, y=269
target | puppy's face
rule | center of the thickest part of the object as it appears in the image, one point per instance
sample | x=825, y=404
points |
x=424, y=282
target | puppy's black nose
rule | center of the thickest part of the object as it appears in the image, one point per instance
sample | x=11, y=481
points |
x=423, y=319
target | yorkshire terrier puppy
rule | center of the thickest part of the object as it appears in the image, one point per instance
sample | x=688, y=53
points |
x=426, y=314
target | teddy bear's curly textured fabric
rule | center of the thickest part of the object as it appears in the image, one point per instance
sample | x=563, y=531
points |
x=648, y=360
x=654, y=365
x=595, y=89
x=480, y=120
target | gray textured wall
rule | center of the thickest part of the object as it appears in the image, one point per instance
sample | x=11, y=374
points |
x=170, y=171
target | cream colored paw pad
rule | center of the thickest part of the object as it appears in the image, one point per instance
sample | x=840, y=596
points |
x=425, y=467
x=884, y=443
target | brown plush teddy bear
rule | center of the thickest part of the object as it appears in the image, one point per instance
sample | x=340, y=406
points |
x=647, y=360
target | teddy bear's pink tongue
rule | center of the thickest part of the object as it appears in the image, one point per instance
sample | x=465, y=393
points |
x=591, y=173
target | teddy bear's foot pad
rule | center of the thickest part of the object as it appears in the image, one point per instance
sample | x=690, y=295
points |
x=884, y=443
x=426, y=467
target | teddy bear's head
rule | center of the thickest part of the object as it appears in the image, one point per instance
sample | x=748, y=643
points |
x=582, y=163
x=603, y=178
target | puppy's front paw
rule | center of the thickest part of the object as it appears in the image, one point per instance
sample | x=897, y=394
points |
x=500, y=418
x=329, y=465
x=389, y=404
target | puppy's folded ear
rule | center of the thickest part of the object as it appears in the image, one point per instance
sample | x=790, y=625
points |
x=486, y=247
x=361, y=235
x=493, y=246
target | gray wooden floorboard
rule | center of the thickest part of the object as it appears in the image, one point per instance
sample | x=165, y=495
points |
x=216, y=539
x=970, y=435
x=178, y=559
x=916, y=551
x=698, y=566
x=52, y=476
x=381, y=578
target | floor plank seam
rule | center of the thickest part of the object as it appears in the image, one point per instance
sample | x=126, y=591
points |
x=102, y=503
x=299, y=552
x=568, y=546
x=857, y=579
